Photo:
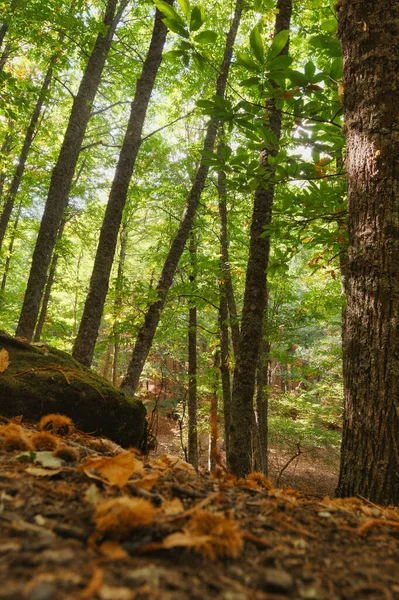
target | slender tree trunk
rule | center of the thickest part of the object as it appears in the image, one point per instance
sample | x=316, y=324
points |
x=23, y=157
x=214, y=453
x=118, y=299
x=227, y=285
x=192, y=364
x=62, y=176
x=49, y=286
x=262, y=405
x=10, y=249
x=369, y=33
x=5, y=148
x=4, y=56
x=255, y=294
x=147, y=331
x=85, y=342
x=224, y=368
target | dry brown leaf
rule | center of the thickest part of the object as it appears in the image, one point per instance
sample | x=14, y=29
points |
x=117, y=517
x=4, y=360
x=186, y=539
x=172, y=507
x=168, y=461
x=40, y=472
x=94, y=584
x=116, y=470
x=113, y=550
x=148, y=481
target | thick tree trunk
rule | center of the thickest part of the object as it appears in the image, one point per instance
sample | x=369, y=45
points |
x=147, y=331
x=369, y=33
x=85, y=342
x=23, y=157
x=255, y=295
x=63, y=172
x=227, y=285
x=192, y=443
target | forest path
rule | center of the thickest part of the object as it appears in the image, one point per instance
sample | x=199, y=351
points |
x=107, y=525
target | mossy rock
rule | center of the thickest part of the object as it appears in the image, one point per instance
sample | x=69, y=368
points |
x=41, y=380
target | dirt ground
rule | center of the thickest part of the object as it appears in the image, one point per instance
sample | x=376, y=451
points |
x=82, y=518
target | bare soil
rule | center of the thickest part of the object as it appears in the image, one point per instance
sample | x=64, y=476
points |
x=66, y=531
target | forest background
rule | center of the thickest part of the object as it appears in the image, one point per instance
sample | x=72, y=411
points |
x=44, y=54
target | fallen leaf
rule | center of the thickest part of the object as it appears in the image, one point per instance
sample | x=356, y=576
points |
x=113, y=550
x=186, y=539
x=148, y=481
x=40, y=472
x=171, y=507
x=108, y=592
x=94, y=584
x=93, y=494
x=47, y=460
x=116, y=470
x=4, y=360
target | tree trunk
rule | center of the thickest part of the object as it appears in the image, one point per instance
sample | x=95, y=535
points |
x=85, y=342
x=5, y=148
x=227, y=285
x=214, y=453
x=224, y=368
x=10, y=249
x=118, y=299
x=369, y=33
x=192, y=365
x=147, y=331
x=49, y=286
x=63, y=172
x=262, y=405
x=23, y=157
x=255, y=293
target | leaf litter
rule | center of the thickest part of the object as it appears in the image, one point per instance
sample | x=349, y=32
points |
x=107, y=523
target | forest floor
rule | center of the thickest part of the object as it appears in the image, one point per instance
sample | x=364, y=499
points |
x=82, y=518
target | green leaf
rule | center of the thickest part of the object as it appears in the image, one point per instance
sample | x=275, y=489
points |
x=281, y=62
x=199, y=60
x=278, y=44
x=206, y=36
x=195, y=19
x=168, y=11
x=176, y=27
x=173, y=54
x=297, y=78
x=310, y=70
x=257, y=5
x=256, y=44
x=250, y=82
x=185, y=6
x=246, y=61
x=336, y=69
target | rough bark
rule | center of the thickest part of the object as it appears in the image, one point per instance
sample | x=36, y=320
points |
x=192, y=442
x=61, y=179
x=5, y=148
x=254, y=295
x=153, y=314
x=23, y=157
x=369, y=33
x=85, y=342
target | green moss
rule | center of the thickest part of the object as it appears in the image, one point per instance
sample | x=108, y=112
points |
x=42, y=380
